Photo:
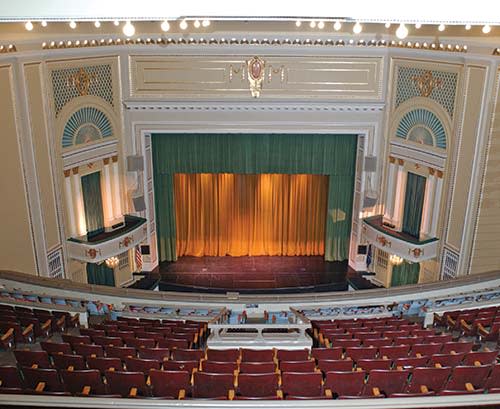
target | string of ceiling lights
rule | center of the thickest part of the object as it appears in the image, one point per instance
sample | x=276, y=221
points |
x=128, y=27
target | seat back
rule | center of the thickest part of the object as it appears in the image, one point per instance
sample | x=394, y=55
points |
x=256, y=355
x=87, y=350
x=394, y=352
x=75, y=381
x=426, y=349
x=108, y=341
x=327, y=365
x=34, y=376
x=450, y=360
x=169, y=383
x=258, y=385
x=121, y=383
x=388, y=382
x=160, y=354
x=457, y=347
x=64, y=361
x=257, y=367
x=483, y=357
x=411, y=362
x=357, y=353
x=10, y=377
x=120, y=352
x=297, y=384
x=219, y=367
x=29, y=358
x=475, y=375
x=210, y=385
x=103, y=364
x=76, y=339
x=56, y=347
x=433, y=378
x=377, y=342
x=345, y=383
x=139, y=343
x=141, y=365
x=327, y=353
x=370, y=364
x=297, y=366
x=187, y=354
x=180, y=365
x=292, y=355
x=223, y=355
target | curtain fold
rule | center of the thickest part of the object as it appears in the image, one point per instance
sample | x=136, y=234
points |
x=250, y=215
x=405, y=273
x=100, y=274
x=92, y=201
x=414, y=203
x=316, y=154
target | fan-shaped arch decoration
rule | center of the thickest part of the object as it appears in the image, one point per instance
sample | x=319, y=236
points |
x=86, y=125
x=422, y=126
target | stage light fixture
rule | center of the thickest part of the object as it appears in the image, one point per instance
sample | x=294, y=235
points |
x=468, y=27
x=337, y=26
x=402, y=31
x=357, y=28
x=321, y=25
x=28, y=26
x=298, y=23
x=72, y=24
x=165, y=25
x=312, y=24
x=128, y=29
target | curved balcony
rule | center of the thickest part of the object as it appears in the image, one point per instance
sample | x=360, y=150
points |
x=108, y=244
x=399, y=243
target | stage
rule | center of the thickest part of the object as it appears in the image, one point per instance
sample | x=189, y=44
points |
x=260, y=274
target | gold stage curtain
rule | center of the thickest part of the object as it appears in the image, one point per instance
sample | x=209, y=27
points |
x=250, y=215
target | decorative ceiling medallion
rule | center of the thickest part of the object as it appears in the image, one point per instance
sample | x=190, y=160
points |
x=256, y=69
x=81, y=80
x=426, y=83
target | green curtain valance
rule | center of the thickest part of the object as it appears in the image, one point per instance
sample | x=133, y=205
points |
x=332, y=155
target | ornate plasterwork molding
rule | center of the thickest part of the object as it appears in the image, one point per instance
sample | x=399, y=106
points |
x=148, y=106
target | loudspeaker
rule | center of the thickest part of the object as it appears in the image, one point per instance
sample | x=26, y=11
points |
x=370, y=163
x=370, y=200
x=139, y=204
x=135, y=163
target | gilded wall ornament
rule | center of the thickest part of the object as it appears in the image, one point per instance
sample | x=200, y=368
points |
x=81, y=80
x=256, y=71
x=426, y=83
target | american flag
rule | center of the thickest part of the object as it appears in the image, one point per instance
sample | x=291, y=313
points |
x=138, y=259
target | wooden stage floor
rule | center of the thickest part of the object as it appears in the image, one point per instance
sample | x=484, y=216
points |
x=261, y=274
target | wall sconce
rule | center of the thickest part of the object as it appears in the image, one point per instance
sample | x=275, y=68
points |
x=112, y=262
x=394, y=259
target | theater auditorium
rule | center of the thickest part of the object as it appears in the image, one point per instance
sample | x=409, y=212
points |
x=207, y=205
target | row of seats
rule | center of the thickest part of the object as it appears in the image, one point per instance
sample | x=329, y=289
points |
x=288, y=385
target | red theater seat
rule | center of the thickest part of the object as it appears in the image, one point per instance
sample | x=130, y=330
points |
x=173, y=343
x=104, y=364
x=30, y=358
x=119, y=352
x=10, y=380
x=327, y=353
x=357, y=353
x=160, y=354
x=66, y=361
x=257, y=367
x=257, y=355
x=188, y=354
x=223, y=355
x=141, y=365
x=108, y=341
x=76, y=339
x=377, y=342
x=450, y=360
x=386, y=382
x=457, y=347
x=297, y=366
x=139, y=343
x=180, y=365
x=425, y=349
x=127, y=384
x=483, y=357
x=84, y=383
x=170, y=384
x=88, y=350
x=212, y=385
x=370, y=364
x=394, y=352
x=345, y=384
x=428, y=379
x=262, y=385
x=219, y=367
x=411, y=362
x=292, y=355
x=302, y=385
x=42, y=380
x=53, y=348
x=467, y=378
x=327, y=365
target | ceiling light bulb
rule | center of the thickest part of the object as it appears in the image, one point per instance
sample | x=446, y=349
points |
x=418, y=25
x=401, y=32
x=28, y=26
x=116, y=23
x=486, y=29
x=312, y=24
x=44, y=23
x=165, y=25
x=72, y=24
x=337, y=26
x=97, y=24
x=197, y=24
x=441, y=27
x=183, y=25
x=321, y=25
x=128, y=29
x=468, y=27
x=387, y=25
x=357, y=28
x=205, y=23
x=298, y=23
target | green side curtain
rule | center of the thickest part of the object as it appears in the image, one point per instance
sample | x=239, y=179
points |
x=319, y=154
x=414, y=204
x=405, y=273
x=100, y=274
x=92, y=201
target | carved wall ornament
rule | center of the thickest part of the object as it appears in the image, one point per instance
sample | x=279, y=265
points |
x=126, y=241
x=81, y=80
x=416, y=252
x=256, y=71
x=383, y=241
x=235, y=70
x=92, y=253
x=426, y=83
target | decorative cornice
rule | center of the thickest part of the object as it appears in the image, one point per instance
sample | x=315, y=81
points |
x=328, y=42
x=282, y=107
